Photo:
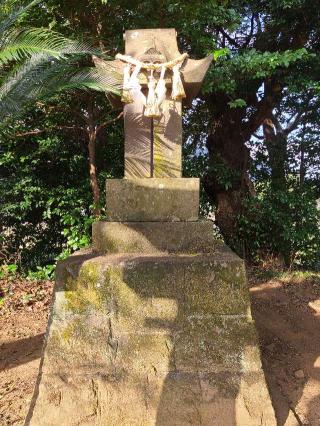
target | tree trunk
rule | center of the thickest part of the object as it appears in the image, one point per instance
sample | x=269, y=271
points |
x=276, y=143
x=93, y=173
x=278, y=158
x=303, y=168
x=227, y=182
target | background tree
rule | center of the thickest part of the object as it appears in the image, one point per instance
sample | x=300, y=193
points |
x=266, y=67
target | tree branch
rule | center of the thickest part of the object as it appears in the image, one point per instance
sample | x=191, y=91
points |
x=258, y=22
x=39, y=131
x=230, y=39
x=276, y=123
x=32, y=132
x=249, y=36
x=263, y=107
x=108, y=122
x=294, y=123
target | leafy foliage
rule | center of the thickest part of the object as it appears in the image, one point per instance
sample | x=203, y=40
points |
x=45, y=192
x=285, y=223
x=266, y=66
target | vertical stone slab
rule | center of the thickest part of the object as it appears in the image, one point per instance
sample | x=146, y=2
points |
x=168, y=141
x=137, y=145
x=167, y=135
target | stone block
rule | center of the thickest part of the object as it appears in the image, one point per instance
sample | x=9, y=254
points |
x=153, y=237
x=152, y=340
x=152, y=199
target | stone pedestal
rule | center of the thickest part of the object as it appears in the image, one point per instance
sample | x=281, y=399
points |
x=152, y=326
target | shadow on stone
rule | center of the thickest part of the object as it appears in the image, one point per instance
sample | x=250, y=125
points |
x=140, y=339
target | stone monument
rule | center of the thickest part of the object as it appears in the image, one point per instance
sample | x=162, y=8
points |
x=152, y=326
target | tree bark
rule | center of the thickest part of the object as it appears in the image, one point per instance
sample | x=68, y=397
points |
x=303, y=169
x=93, y=173
x=276, y=143
x=227, y=182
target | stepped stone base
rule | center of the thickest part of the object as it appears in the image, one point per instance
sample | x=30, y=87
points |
x=152, y=199
x=153, y=237
x=161, y=339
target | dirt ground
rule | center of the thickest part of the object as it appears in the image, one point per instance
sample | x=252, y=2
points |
x=285, y=306
x=286, y=309
x=23, y=320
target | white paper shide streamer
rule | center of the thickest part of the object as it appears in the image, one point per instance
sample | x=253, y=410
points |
x=156, y=89
x=178, y=92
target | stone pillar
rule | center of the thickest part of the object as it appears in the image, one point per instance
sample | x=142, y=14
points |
x=167, y=139
x=152, y=325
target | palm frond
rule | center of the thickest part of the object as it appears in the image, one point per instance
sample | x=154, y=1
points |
x=8, y=19
x=39, y=79
x=42, y=63
x=90, y=78
x=27, y=42
x=13, y=87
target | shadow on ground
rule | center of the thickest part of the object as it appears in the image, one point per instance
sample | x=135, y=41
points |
x=287, y=315
x=20, y=351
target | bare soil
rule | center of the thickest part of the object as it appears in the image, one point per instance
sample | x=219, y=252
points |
x=286, y=309
x=23, y=320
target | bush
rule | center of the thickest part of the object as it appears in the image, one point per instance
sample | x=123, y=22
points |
x=43, y=198
x=282, y=223
x=46, y=200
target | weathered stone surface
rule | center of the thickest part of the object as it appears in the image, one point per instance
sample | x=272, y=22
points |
x=168, y=140
x=167, y=137
x=153, y=237
x=137, y=145
x=152, y=199
x=152, y=340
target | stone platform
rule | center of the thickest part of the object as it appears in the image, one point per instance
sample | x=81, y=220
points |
x=152, y=339
x=152, y=326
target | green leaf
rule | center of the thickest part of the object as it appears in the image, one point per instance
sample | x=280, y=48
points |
x=237, y=103
x=220, y=53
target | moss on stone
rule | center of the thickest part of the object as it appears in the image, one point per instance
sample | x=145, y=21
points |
x=83, y=293
x=134, y=295
x=68, y=331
